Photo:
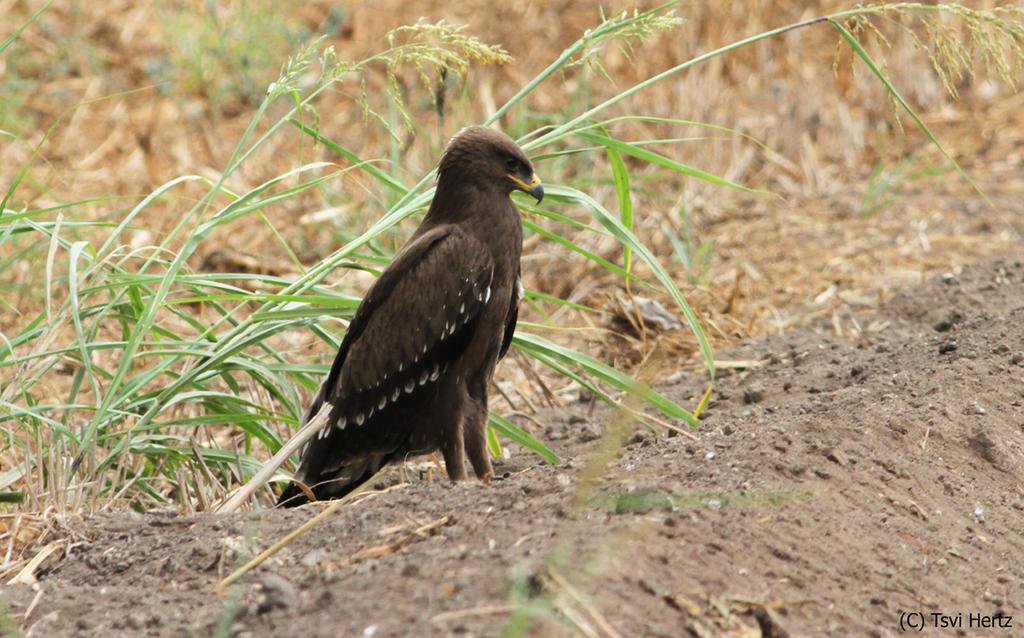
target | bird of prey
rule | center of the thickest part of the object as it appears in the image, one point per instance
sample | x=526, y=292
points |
x=412, y=373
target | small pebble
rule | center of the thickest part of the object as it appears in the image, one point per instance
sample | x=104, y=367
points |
x=639, y=436
x=753, y=395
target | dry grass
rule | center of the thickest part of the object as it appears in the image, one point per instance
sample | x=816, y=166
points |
x=181, y=86
x=825, y=132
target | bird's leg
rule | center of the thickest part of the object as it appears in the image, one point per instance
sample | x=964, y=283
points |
x=453, y=448
x=474, y=430
x=454, y=451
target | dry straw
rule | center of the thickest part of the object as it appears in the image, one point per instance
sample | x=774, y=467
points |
x=167, y=383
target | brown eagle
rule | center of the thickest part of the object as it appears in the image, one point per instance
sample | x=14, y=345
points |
x=412, y=372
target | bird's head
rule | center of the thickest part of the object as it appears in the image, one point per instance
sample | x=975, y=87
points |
x=489, y=158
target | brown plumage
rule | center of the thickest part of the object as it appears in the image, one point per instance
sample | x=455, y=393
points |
x=412, y=372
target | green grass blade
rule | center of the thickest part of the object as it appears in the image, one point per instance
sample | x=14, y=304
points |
x=659, y=160
x=532, y=343
x=623, y=234
x=513, y=432
x=620, y=177
x=862, y=53
x=14, y=36
x=366, y=165
x=76, y=318
x=576, y=248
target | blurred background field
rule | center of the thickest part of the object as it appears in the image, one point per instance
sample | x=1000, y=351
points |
x=101, y=103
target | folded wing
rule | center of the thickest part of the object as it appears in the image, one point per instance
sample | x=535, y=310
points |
x=415, y=322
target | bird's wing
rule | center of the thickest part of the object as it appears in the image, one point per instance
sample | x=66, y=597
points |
x=513, y=316
x=415, y=320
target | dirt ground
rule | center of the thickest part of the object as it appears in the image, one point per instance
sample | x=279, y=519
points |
x=849, y=473
x=833, y=488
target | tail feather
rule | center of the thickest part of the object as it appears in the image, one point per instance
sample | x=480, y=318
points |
x=292, y=496
x=336, y=484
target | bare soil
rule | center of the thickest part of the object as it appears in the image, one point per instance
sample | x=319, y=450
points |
x=831, y=489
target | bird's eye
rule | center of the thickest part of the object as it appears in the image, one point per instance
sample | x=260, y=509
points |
x=511, y=164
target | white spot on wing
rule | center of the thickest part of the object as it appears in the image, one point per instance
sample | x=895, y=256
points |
x=394, y=395
x=340, y=424
x=383, y=401
x=488, y=298
x=435, y=374
x=360, y=418
x=423, y=377
x=409, y=385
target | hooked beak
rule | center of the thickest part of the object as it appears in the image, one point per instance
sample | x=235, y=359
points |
x=535, y=187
